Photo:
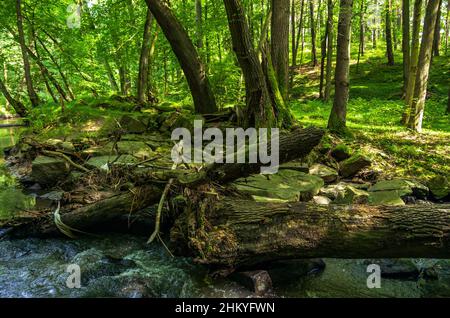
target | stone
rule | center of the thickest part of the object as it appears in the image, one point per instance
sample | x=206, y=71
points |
x=328, y=174
x=351, y=195
x=138, y=149
x=403, y=187
x=102, y=161
x=58, y=143
x=439, y=187
x=353, y=165
x=284, y=272
x=295, y=165
x=52, y=196
x=341, y=152
x=132, y=125
x=47, y=171
x=322, y=200
x=257, y=281
x=284, y=186
x=385, y=198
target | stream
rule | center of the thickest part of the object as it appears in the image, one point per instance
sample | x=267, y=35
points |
x=118, y=265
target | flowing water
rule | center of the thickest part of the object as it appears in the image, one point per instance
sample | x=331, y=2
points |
x=123, y=266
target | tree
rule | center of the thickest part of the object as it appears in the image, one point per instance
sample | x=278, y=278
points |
x=187, y=55
x=437, y=32
x=17, y=105
x=337, y=120
x=313, y=33
x=280, y=44
x=144, y=59
x=326, y=51
x=26, y=63
x=388, y=22
x=405, y=42
x=329, y=51
x=423, y=67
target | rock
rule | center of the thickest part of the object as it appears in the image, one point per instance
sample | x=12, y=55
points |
x=102, y=161
x=333, y=191
x=385, y=198
x=351, y=195
x=423, y=202
x=136, y=148
x=295, y=165
x=132, y=125
x=257, y=281
x=396, y=268
x=341, y=152
x=290, y=271
x=353, y=165
x=285, y=186
x=52, y=196
x=58, y=143
x=328, y=174
x=439, y=187
x=47, y=171
x=402, y=187
x=322, y=200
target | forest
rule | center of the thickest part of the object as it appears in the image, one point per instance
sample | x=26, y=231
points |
x=93, y=92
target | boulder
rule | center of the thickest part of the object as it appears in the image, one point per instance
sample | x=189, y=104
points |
x=333, y=191
x=102, y=161
x=439, y=187
x=402, y=187
x=351, y=195
x=137, y=149
x=385, y=198
x=285, y=186
x=58, y=143
x=257, y=281
x=286, y=272
x=132, y=125
x=353, y=165
x=341, y=152
x=321, y=200
x=328, y=174
x=47, y=171
x=295, y=165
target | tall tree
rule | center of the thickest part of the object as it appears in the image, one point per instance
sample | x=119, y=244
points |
x=26, y=62
x=144, y=59
x=329, y=51
x=405, y=42
x=409, y=94
x=338, y=116
x=17, y=105
x=313, y=33
x=325, y=52
x=199, y=23
x=293, y=34
x=187, y=55
x=447, y=27
x=437, y=32
x=423, y=68
x=280, y=44
x=388, y=22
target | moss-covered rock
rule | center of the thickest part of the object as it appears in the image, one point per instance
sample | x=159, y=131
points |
x=326, y=173
x=47, y=171
x=385, y=198
x=353, y=165
x=439, y=187
x=341, y=152
x=351, y=195
x=402, y=187
x=102, y=161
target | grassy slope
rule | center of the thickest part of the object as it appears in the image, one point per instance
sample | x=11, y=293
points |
x=374, y=112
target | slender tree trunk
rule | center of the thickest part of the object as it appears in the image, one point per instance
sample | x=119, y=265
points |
x=111, y=77
x=437, y=32
x=17, y=105
x=300, y=31
x=323, y=56
x=447, y=27
x=187, y=55
x=362, y=28
x=374, y=26
x=389, y=49
x=313, y=33
x=280, y=44
x=405, y=43
x=329, y=51
x=293, y=35
x=26, y=63
x=423, y=68
x=142, y=81
x=199, y=24
x=5, y=76
x=337, y=120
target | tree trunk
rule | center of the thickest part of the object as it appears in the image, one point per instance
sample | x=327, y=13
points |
x=389, y=49
x=405, y=43
x=337, y=120
x=144, y=59
x=246, y=233
x=26, y=63
x=447, y=27
x=323, y=57
x=329, y=51
x=437, y=32
x=199, y=24
x=300, y=31
x=293, y=35
x=187, y=55
x=409, y=94
x=280, y=44
x=374, y=26
x=423, y=67
x=313, y=33
x=17, y=105
x=362, y=29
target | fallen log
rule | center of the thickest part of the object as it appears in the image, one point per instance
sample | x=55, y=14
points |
x=245, y=233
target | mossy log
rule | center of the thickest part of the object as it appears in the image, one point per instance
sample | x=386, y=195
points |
x=244, y=233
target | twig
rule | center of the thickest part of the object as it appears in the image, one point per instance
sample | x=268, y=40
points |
x=59, y=154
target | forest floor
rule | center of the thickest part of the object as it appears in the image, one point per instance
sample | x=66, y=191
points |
x=374, y=112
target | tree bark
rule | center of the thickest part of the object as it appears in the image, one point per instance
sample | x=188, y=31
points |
x=337, y=120
x=437, y=32
x=26, y=63
x=144, y=59
x=17, y=105
x=405, y=43
x=280, y=44
x=409, y=94
x=389, y=49
x=199, y=23
x=329, y=51
x=246, y=233
x=293, y=34
x=423, y=67
x=313, y=33
x=187, y=55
